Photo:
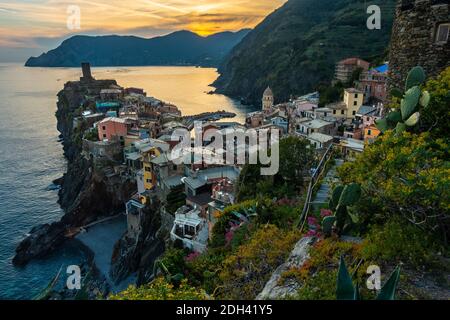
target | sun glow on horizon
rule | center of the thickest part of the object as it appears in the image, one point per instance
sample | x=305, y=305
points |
x=25, y=24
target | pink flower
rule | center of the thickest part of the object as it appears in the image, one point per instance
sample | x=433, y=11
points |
x=311, y=233
x=229, y=237
x=192, y=256
x=312, y=221
x=325, y=213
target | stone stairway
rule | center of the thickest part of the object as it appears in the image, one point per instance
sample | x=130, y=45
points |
x=300, y=254
x=324, y=193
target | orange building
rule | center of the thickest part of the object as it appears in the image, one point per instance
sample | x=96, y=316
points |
x=371, y=133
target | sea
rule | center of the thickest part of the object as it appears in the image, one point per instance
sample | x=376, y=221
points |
x=31, y=155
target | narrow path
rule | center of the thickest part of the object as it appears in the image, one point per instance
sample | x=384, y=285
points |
x=324, y=193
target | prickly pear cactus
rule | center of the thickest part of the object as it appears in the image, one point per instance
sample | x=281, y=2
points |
x=411, y=100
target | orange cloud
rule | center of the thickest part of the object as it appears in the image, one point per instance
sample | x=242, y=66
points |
x=48, y=18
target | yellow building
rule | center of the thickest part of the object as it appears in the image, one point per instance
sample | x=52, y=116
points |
x=348, y=108
x=148, y=154
x=353, y=99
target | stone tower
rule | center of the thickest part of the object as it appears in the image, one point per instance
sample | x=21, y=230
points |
x=267, y=100
x=86, y=69
x=420, y=36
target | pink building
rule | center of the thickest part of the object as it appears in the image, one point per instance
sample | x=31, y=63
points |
x=374, y=84
x=115, y=128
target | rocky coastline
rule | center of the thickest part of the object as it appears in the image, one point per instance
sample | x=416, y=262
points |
x=86, y=193
x=91, y=192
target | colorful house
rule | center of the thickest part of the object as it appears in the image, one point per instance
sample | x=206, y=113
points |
x=374, y=83
x=371, y=133
x=115, y=128
x=135, y=213
x=150, y=178
x=353, y=99
x=222, y=196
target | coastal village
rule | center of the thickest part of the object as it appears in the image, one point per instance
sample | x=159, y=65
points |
x=205, y=230
x=130, y=134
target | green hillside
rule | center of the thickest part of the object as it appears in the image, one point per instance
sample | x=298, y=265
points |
x=295, y=48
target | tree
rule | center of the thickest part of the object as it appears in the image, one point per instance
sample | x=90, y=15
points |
x=175, y=199
x=404, y=174
x=436, y=116
x=296, y=157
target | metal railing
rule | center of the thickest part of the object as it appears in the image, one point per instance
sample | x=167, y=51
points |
x=314, y=179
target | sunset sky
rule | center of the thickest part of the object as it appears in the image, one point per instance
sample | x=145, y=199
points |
x=29, y=27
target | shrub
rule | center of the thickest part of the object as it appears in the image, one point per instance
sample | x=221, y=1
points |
x=222, y=225
x=318, y=274
x=396, y=242
x=245, y=272
x=160, y=289
x=174, y=260
x=405, y=175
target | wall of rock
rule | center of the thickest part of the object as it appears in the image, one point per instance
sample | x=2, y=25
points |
x=413, y=39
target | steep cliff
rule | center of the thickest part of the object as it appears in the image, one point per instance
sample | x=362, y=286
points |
x=138, y=255
x=86, y=193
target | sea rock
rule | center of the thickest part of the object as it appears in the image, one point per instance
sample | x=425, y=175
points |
x=299, y=255
x=42, y=240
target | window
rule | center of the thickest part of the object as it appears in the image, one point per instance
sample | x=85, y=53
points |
x=334, y=111
x=104, y=136
x=342, y=111
x=355, y=103
x=354, y=112
x=104, y=127
x=356, y=96
x=442, y=33
x=369, y=132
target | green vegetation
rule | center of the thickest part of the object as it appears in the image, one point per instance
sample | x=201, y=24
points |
x=408, y=114
x=398, y=242
x=394, y=196
x=296, y=158
x=347, y=291
x=295, y=49
x=246, y=271
x=405, y=175
x=330, y=94
x=435, y=118
x=91, y=135
x=160, y=289
x=318, y=275
x=342, y=198
x=175, y=199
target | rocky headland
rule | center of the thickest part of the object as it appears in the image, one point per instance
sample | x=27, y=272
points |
x=87, y=192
